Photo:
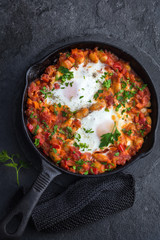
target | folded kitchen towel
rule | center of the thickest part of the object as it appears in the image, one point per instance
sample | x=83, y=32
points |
x=85, y=201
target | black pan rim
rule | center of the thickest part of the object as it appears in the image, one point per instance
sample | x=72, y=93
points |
x=42, y=157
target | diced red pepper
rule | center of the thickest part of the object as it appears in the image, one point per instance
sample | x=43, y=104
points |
x=109, y=100
x=30, y=127
x=56, y=86
x=76, y=123
x=136, y=119
x=85, y=166
x=76, y=155
x=64, y=164
x=118, y=66
x=142, y=119
x=45, y=78
x=95, y=170
x=121, y=147
x=41, y=138
x=47, y=134
x=56, y=146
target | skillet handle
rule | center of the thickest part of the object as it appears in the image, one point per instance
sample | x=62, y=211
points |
x=24, y=208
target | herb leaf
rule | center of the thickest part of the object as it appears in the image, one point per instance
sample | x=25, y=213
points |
x=108, y=138
x=107, y=84
x=5, y=158
x=67, y=75
x=36, y=142
x=88, y=130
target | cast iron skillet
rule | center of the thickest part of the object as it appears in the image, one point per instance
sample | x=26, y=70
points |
x=49, y=169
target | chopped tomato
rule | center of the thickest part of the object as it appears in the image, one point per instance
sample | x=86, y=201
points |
x=41, y=138
x=45, y=78
x=121, y=147
x=30, y=127
x=56, y=146
x=117, y=65
x=33, y=90
x=142, y=119
x=56, y=86
x=95, y=170
x=109, y=100
x=64, y=164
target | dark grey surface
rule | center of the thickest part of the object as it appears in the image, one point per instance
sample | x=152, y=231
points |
x=29, y=30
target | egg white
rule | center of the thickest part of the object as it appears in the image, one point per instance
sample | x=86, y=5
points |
x=100, y=122
x=84, y=87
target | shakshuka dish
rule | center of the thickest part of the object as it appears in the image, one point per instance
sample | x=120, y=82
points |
x=89, y=112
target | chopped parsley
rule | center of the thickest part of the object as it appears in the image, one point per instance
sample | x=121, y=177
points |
x=142, y=131
x=127, y=132
x=123, y=111
x=36, y=142
x=75, y=144
x=54, y=131
x=96, y=95
x=67, y=75
x=54, y=150
x=81, y=97
x=64, y=114
x=68, y=54
x=124, y=84
x=80, y=162
x=69, y=130
x=78, y=137
x=61, y=131
x=118, y=107
x=107, y=84
x=36, y=129
x=31, y=115
x=143, y=87
x=124, y=95
x=46, y=125
x=45, y=93
x=104, y=75
x=43, y=109
x=88, y=130
x=100, y=91
x=116, y=154
x=55, y=112
x=81, y=145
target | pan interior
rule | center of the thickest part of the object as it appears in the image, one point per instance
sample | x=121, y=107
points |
x=37, y=69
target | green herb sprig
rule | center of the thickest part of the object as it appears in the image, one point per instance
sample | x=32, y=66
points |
x=9, y=161
x=108, y=138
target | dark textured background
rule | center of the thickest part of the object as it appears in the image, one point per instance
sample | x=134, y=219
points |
x=29, y=30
